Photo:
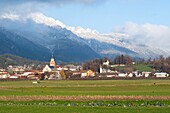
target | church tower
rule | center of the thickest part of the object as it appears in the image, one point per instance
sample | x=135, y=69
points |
x=52, y=62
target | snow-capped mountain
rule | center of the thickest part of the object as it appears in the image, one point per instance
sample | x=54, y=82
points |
x=75, y=43
x=110, y=44
x=42, y=19
x=62, y=43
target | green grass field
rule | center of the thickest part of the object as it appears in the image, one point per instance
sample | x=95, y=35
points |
x=137, y=66
x=85, y=88
x=97, y=87
x=142, y=67
x=53, y=109
x=61, y=109
x=84, y=107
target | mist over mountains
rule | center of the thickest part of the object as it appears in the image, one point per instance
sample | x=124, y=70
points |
x=37, y=37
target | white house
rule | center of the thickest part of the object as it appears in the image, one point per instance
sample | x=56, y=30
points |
x=122, y=75
x=106, y=63
x=83, y=74
x=146, y=74
x=130, y=75
x=111, y=75
x=27, y=73
x=102, y=70
x=47, y=69
x=4, y=75
x=65, y=68
x=161, y=74
x=15, y=76
x=73, y=69
x=59, y=68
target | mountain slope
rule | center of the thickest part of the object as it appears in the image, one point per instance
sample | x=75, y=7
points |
x=15, y=44
x=62, y=43
x=109, y=50
x=8, y=59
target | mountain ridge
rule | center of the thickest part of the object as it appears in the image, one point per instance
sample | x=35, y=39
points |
x=77, y=43
x=59, y=42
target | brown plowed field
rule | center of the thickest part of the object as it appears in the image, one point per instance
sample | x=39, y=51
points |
x=81, y=98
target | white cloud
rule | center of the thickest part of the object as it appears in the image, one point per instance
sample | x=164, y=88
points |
x=10, y=16
x=37, y=17
x=28, y=6
x=150, y=34
x=48, y=1
x=36, y=3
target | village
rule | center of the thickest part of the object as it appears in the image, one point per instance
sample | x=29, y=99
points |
x=70, y=71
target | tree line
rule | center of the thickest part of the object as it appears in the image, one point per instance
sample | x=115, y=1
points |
x=95, y=65
x=160, y=64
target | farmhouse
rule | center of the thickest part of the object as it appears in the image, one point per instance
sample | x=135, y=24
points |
x=161, y=74
x=106, y=63
x=46, y=69
x=88, y=73
x=109, y=75
x=83, y=74
x=4, y=75
x=14, y=76
x=59, y=68
x=122, y=75
x=146, y=74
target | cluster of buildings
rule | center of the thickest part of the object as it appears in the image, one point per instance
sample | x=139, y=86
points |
x=48, y=72
x=53, y=71
x=109, y=73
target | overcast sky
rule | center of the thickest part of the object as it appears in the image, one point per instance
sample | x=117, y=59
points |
x=141, y=19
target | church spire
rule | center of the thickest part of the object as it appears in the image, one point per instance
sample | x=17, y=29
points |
x=52, y=61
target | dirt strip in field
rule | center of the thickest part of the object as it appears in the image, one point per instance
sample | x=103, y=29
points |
x=81, y=98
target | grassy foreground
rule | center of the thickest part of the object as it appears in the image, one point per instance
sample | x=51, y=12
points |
x=90, y=88
x=118, y=96
x=53, y=109
x=85, y=107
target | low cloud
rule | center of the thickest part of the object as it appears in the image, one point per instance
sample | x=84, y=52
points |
x=149, y=34
x=48, y=1
x=27, y=6
x=10, y=16
x=45, y=2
